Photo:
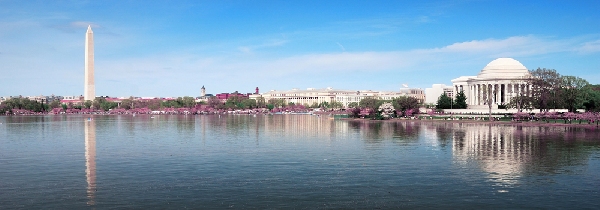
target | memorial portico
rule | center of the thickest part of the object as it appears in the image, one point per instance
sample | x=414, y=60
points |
x=501, y=80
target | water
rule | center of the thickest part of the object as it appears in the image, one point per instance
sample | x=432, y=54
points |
x=292, y=161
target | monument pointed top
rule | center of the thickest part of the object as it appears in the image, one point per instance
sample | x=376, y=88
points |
x=89, y=29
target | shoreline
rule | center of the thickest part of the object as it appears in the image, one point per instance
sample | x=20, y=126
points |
x=468, y=121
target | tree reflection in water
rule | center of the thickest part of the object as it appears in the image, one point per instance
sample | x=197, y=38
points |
x=400, y=132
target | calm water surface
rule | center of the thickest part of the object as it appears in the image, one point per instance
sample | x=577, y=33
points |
x=292, y=161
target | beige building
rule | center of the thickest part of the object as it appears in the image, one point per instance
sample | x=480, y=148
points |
x=311, y=95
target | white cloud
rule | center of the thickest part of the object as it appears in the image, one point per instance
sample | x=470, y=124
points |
x=590, y=47
x=269, y=44
x=345, y=62
x=490, y=44
x=245, y=49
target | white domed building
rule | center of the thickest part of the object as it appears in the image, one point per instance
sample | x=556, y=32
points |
x=503, y=79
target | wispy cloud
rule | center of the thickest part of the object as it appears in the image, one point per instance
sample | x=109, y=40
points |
x=375, y=61
x=419, y=58
x=423, y=19
x=590, y=47
x=341, y=46
x=268, y=44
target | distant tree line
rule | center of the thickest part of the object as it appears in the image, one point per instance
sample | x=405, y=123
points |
x=22, y=104
x=26, y=106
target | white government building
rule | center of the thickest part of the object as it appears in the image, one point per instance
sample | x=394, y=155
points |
x=313, y=95
x=503, y=79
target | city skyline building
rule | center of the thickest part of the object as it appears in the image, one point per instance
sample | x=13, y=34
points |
x=89, y=92
x=433, y=93
x=312, y=96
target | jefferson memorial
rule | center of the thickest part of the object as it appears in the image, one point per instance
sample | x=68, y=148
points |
x=502, y=79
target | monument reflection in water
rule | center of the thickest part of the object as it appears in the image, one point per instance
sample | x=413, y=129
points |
x=90, y=160
x=505, y=153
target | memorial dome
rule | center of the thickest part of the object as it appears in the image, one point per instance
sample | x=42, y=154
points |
x=503, y=68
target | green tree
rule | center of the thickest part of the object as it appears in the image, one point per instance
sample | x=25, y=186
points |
x=352, y=105
x=545, y=88
x=371, y=103
x=178, y=102
x=54, y=104
x=234, y=102
x=153, y=104
x=444, y=102
x=106, y=105
x=573, y=92
x=249, y=103
x=127, y=103
x=592, y=98
x=270, y=106
x=97, y=102
x=188, y=102
x=314, y=105
x=461, y=101
x=87, y=104
x=261, y=103
x=404, y=103
x=215, y=103
x=336, y=105
x=277, y=102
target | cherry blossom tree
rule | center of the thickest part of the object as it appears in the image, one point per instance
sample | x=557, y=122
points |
x=521, y=116
x=386, y=110
x=569, y=116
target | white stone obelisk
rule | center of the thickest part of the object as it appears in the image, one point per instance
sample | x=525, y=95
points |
x=89, y=88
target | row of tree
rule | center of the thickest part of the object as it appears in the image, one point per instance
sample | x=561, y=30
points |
x=446, y=102
x=382, y=109
x=101, y=104
x=22, y=104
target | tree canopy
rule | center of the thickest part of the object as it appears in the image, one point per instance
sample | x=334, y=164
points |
x=461, y=101
x=444, y=102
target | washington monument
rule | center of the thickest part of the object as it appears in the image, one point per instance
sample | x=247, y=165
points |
x=89, y=88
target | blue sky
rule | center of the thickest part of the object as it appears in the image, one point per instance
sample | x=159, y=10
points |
x=173, y=48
